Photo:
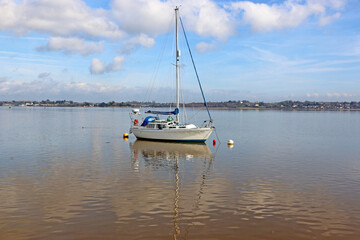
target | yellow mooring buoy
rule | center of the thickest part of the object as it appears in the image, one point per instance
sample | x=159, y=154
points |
x=230, y=144
x=126, y=135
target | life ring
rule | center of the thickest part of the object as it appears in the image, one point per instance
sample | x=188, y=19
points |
x=136, y=122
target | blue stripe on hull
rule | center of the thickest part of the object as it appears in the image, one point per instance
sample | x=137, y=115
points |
x=160, y=140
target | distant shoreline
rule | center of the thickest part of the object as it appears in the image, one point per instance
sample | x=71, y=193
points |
x=228, y=105
x=203, y=108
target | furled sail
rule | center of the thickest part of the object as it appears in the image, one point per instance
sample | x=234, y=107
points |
x=175, y=112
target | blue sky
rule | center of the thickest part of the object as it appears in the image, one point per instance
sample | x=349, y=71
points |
x=123, y=50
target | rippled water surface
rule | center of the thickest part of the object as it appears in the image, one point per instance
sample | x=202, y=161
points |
x=67, y=173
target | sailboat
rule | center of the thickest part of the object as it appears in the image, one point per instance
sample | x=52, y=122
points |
x=154, y=128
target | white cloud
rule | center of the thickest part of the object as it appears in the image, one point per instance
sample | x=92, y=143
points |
x=335, y=94
x=151, y=17
x=328, y=19
x=316, y=95
x=203, y=47
x=50, y=89
x=263, y=17
x=44, y=75
x=61, y=18
x=3, y=79
x=98, y=92
x=338, y=95
x=207, y=18
x=348, y=95
x=116, y=64
x=145, y=19
x=77, y=91
x=140, y=40
x=154, y=17
x=72, y=46
x=98, y=67
x=335, y=4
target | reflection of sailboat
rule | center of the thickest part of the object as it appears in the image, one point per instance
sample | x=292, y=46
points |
x=159, y=153
x=168, y=150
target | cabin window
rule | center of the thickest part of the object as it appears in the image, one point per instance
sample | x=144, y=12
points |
x=161, y=126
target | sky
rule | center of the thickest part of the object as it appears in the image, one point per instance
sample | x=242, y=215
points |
x=123, y=50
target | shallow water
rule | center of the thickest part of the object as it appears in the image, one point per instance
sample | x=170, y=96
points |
x=66, y=173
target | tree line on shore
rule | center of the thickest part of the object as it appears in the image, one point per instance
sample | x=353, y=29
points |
x=244, y=104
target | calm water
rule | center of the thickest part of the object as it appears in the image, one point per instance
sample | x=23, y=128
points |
x=66, y=173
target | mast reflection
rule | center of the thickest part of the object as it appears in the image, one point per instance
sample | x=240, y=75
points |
x=167, y=154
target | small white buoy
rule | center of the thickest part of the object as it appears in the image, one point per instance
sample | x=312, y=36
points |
x=230, y=142
x=135, y=111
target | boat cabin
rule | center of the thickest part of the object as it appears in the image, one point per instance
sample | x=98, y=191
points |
x=152, y=122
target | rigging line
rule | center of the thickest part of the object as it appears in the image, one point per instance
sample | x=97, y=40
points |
x=196, y=112
x=197, y=75
x=154, y=75
x=217, y=136
x=193, y=117
x=157, y=67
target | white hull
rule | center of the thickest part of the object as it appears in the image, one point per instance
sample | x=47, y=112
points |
x=172, y=134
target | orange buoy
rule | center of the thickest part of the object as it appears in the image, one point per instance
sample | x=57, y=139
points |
x=126, y=135
x=136, y=122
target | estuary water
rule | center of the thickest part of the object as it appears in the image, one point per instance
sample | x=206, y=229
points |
x=67, y=173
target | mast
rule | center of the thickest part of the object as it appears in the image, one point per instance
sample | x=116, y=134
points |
x=177, y=63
